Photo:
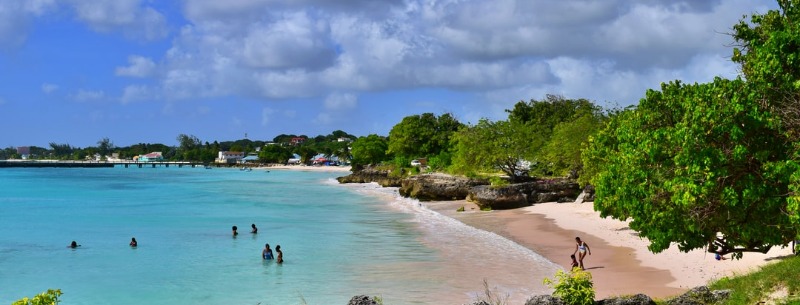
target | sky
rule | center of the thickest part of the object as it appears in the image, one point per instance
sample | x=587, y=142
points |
x=145, y=71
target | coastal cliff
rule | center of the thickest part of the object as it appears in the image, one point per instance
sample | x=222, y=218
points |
x=438, y=187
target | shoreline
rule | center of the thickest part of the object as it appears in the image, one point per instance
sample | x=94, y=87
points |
x=620, y=263
x=342, y=169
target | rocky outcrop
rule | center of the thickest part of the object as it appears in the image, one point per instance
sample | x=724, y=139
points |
x=524, y=194
x=428, y=187
x=362, y=300
x=639, y=299
x=701, y=296
x=368, y=175
x=544, y=300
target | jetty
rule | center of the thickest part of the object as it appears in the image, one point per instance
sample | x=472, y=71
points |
x=97, y=164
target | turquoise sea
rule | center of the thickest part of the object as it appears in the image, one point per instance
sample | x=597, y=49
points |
x=338, y=240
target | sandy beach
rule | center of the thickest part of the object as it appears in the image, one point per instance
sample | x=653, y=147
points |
x=343, y=169
x=620, y=262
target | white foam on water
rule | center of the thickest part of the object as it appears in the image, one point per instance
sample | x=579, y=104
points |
x=470, y=255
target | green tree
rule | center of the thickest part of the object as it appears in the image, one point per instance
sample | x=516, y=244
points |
x=507, y=146
x=422, y=135
x=104, y=146
x=562, y=154
x=274, y=154
x=369, y=150
x=699, y=166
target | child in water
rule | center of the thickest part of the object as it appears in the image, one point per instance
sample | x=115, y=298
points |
x=279, y=260
x=133, y=243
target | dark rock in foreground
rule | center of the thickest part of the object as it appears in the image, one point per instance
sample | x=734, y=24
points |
x=428, y=187
x=362, y=300
x=639, y=299
x=701, y=296
x=544, y=300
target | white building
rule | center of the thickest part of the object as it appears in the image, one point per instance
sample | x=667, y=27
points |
x=229, y=157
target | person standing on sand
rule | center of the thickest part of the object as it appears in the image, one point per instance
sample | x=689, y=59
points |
x=581, y=248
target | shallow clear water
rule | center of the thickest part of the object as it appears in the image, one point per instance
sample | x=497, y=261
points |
x=338, y=241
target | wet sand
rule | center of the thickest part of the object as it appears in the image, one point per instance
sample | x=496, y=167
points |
x=620, y=263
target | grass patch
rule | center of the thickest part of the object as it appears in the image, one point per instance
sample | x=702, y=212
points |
x=777, y=283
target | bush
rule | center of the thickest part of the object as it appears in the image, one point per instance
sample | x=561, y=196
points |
x=50, y=297
x=497, y=181
x=574, y=287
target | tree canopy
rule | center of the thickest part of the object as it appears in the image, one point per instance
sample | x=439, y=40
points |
x=422, y=135
x=697, y=165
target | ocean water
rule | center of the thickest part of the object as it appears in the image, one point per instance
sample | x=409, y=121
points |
x=338, y=240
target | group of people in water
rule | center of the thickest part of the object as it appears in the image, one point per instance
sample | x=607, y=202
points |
x=267, y=252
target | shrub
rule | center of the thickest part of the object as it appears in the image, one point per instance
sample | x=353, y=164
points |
x=574, y=287
x=461, y=209
x=498, y=181
x=50, y=297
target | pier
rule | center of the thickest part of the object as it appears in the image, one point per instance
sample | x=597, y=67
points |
x=95, y=164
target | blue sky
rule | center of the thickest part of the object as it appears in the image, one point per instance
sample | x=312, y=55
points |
x=145, y=71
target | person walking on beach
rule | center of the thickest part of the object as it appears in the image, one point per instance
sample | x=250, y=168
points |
x=254, y=230
x=133, y=243
x=234, y=228
x=267, y=252
x=279, y=260
x=581, y=248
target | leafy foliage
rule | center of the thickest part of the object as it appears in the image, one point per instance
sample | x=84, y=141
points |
x=490, y=146
x=574, y=287
x=756, y=287
x=369, y=150
x=274, y=153
x=50, y=297
x=692, y=162
x=422, y=135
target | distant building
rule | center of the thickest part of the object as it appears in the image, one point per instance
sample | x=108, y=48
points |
x=229, y=157
x=343, y=139
x=297, y=140
x=250, y=159
x=155, y=156
x=24, y=151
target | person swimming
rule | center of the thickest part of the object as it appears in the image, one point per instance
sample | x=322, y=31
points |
x=234, y=228
x=279, y=260
x=254, y=230
x=267, y=252
x=133, y=243
x=74, y=244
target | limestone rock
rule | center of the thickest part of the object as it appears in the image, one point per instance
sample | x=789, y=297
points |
x=427, y=187
x=524, y=194
x=368, y=175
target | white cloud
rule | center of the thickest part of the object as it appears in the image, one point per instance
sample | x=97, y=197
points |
x=341, y=101
x=138, y=66
x=49, y=88
x=88, y=95
x=16, y=17
x=134, y=93
x=128, y=16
